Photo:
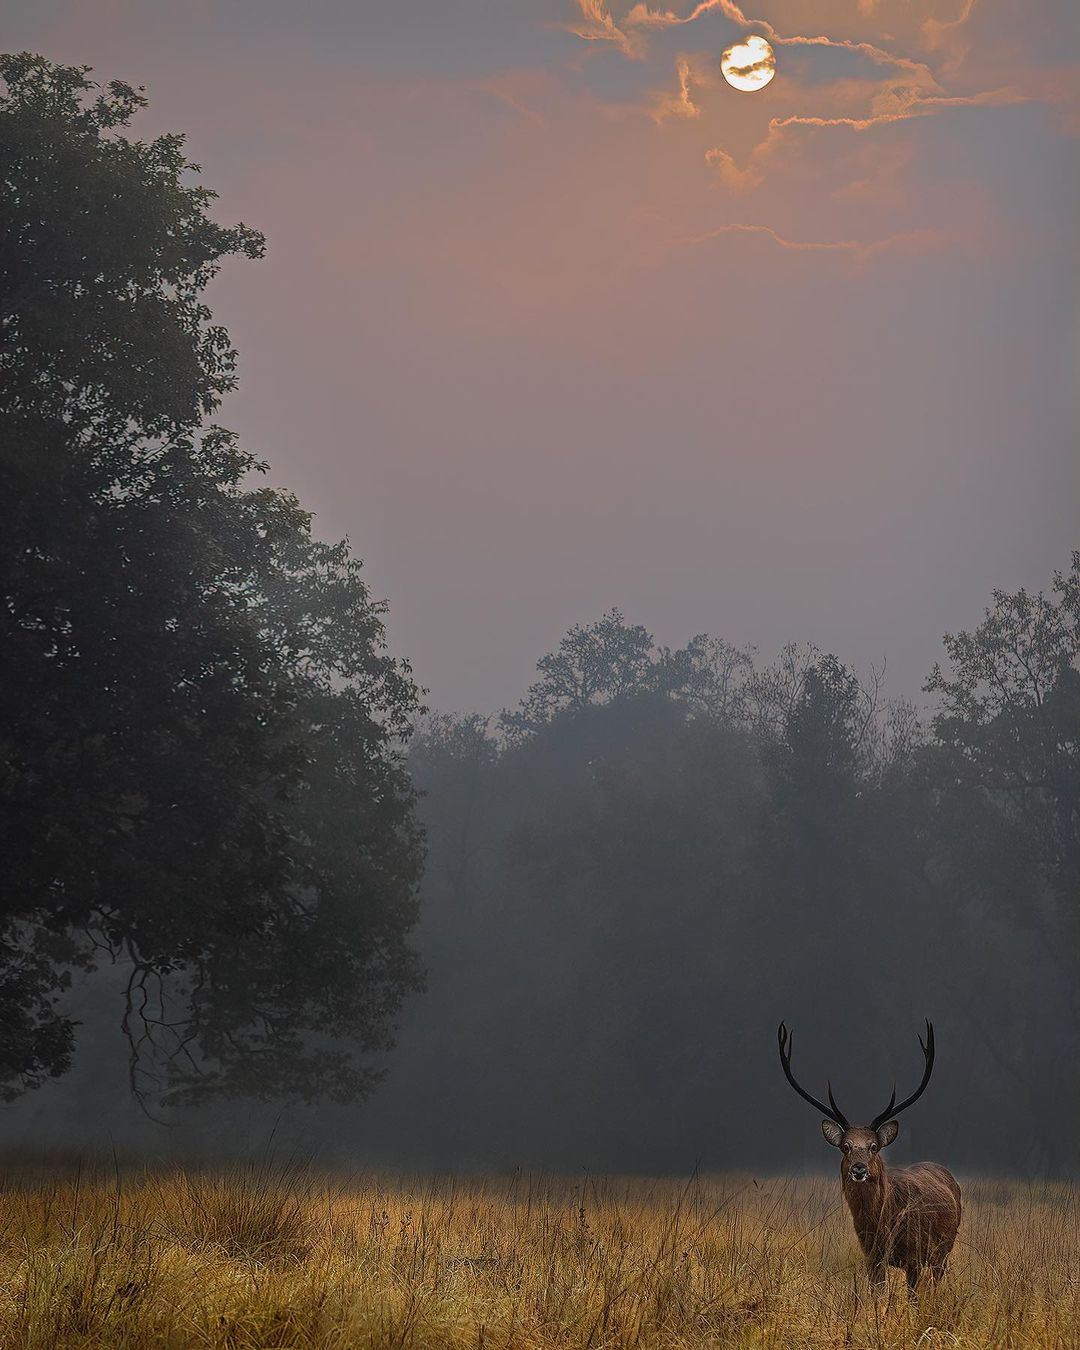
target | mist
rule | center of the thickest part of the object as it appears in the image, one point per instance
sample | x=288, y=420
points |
x=673, y=632
x=539, y=674
x=501, y=339
x=635, y=873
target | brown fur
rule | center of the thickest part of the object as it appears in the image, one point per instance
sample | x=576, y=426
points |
x=906, y=1217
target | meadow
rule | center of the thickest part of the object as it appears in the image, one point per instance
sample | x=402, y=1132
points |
x=277, y=1255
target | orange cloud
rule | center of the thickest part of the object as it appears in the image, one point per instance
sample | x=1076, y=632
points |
x=937, y=31
x=909, y=242
x=898, y=89
x=907, y=106
x=597, y=25
x=879, y=177
x=736, y=179
x=512, y=87
x=892, y=105
x=920, y=71
x=641, y=16
x=681, y=104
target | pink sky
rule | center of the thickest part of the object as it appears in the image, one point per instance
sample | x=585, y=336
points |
x=552, y=319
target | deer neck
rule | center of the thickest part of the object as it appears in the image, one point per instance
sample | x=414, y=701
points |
x=866, y=1200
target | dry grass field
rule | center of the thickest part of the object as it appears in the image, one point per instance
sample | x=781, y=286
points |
x=277, y=1256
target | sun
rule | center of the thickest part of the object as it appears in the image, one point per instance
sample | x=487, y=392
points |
x=749, y=65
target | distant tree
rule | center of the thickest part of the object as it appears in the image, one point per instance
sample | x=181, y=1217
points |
x=810, y=840
x=1009, y=721
x=455, y=756
x=600, y=662
x=838, y=860
x=609, y=661
x=774, y=692
x=620, y=901
x=819, y=748
x=198, y=766
x=710, y=677
x=1004, y=766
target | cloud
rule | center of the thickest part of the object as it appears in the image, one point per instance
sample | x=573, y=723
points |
x=597, y=25
x=937, y=31
x=885, y=85
x=890, y=106
x=737, y=179
x=513, y=87
x=879, y=174
x=641, y=16
x=766, y=63
x=906, y=106
x=919, y=71
x=680, y=104
x=910, y=242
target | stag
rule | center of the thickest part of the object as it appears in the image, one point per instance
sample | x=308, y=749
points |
x=904, y=1216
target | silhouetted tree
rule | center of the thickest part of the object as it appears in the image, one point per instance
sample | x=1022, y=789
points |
x=198, y=773
x=1004, y=764
x=600, y=662
x=1009, y=722
x=710, y=677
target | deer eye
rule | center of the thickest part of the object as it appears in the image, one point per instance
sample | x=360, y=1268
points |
x=873, y=1148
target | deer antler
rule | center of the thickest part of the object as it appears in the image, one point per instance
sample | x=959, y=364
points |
x=786, y=1040
x=928, y=1055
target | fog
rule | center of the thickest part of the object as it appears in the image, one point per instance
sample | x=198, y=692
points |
x=631, y=878
x=500, y=341
x=714, y=455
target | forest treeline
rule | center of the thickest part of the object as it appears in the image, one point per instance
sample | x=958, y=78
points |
x=635, y=874
x=218, y=789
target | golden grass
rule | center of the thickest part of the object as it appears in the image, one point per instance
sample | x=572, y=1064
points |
x=267, y=1256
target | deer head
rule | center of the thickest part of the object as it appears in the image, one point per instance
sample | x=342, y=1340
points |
x=861, y=1145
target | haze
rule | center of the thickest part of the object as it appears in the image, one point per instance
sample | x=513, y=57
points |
x=515, y=336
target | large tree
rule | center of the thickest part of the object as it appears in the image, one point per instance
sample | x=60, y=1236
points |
x=199, y=772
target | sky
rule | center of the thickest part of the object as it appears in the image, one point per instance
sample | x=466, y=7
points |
x=553, y=320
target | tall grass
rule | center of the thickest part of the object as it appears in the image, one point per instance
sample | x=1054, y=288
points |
x=274, y=1257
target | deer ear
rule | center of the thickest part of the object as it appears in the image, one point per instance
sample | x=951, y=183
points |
x=887, y=1133
x=832, y=1132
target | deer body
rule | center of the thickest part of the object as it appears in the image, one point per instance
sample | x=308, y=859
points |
x=906, y=1217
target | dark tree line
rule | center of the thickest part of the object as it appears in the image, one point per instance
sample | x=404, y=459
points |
x=198, y=719
x=637, y=872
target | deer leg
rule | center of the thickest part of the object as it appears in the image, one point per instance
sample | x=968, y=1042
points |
x=912, y=1272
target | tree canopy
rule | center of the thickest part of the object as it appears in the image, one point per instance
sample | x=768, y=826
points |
x=633, y=876
x=199, y=772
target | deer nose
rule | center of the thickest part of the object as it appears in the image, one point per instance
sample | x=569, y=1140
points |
x=860, y=1172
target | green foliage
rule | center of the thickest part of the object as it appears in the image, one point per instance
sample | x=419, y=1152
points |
x=198, y=774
